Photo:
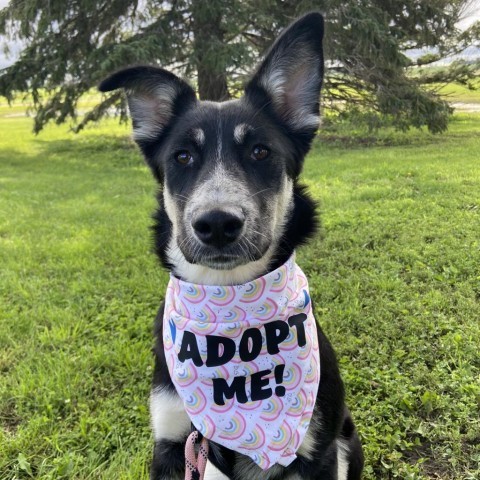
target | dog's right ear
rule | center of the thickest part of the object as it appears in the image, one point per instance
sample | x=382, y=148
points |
x=289, y=79
x=155, y=96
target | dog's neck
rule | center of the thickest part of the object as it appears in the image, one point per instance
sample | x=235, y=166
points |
x=300, y=226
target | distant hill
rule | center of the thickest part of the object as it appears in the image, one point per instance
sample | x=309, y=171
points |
x=469, y=54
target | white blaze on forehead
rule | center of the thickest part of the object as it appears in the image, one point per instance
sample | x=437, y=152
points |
x=240, y=131
x=219, y=140
x=198, y=136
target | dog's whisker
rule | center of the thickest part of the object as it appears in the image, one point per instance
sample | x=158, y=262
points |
x=182, y=198
x=246, y=239
x=256, y=232
x=260, y=191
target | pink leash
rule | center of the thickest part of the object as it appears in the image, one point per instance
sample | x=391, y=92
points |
x=195, y=466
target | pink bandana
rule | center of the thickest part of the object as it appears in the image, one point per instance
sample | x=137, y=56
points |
x=245, y=361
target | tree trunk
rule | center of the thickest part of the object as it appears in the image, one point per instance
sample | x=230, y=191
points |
x=209, y=47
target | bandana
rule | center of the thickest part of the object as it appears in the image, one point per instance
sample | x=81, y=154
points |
x=245, y=361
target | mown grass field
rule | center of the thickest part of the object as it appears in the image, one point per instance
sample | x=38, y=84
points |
x=394, y=274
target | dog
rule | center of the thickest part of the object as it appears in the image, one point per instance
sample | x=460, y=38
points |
x=231, y=210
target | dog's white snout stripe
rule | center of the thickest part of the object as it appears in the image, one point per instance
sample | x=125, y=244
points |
x=222, y=190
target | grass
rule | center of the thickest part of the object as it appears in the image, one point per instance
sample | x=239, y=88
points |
x=394, y=275
x=461, y=94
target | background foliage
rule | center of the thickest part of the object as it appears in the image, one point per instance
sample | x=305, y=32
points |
x=71, y=46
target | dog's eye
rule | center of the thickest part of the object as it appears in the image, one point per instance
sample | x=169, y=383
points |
x=184, y=157
x=260, y=152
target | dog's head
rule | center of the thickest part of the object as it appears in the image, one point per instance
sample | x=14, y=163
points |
x=228, y=169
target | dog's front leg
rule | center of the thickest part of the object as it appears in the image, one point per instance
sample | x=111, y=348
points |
x=170, y=422
x=171, y=427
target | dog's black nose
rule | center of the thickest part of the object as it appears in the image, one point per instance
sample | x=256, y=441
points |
x=218, y=228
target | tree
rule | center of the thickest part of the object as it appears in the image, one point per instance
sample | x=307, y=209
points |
x=71, y=45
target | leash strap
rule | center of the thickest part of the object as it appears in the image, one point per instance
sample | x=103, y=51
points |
x=195, y=465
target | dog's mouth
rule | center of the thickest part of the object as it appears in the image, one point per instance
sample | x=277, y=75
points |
x=222, y=262
x=226, y=258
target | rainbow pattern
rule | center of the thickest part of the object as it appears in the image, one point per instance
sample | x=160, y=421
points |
x=267, y=310
x=247, y=369
x=288, y=452
x=311, y=375
x=203, y=328
x=292, y=377
x=276, y=360
x=305, y=421
x=282, y=437
x=304, y=352
x=255, y=439
x=186, y=374
x=235, y=314
x=279, y=281
x=263, y=461
x=250, y=405
x=205, y=314
x=291, y=342
x=179, y=316
x=229, y=404
x=170, y=362
x=302, y=283
x=195, y=402
x=235, y=428
x=222, y=295
x=297, y=406
x=194, y=293
x=272, y=409
x=207, y=427
x=253, y=291
x=168, y=341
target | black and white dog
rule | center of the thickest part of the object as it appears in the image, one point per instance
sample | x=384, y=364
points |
x=232, y=210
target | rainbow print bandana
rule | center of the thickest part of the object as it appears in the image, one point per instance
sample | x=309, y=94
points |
x=245, y=361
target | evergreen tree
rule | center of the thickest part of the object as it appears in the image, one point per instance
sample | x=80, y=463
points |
x=71, y=45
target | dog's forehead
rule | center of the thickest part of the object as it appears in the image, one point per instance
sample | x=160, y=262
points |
x=227, y=120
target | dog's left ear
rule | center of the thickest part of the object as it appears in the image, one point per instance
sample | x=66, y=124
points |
x=154, y=95
x=155, y=98
x=288, y=81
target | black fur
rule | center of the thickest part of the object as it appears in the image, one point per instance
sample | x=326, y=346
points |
x=281, y=116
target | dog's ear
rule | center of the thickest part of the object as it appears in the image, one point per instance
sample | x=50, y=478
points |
x=289, y=79
x=154, y=97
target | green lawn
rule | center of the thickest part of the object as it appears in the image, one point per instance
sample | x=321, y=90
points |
x=394, y=274
x=460, y=93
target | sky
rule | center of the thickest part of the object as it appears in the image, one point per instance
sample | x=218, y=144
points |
x=472, y=16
